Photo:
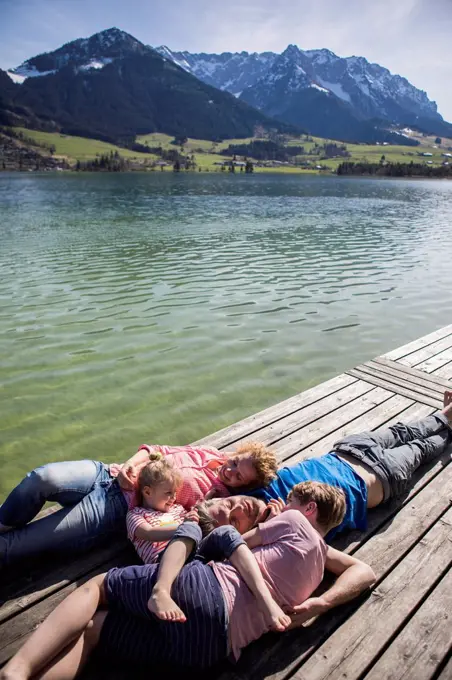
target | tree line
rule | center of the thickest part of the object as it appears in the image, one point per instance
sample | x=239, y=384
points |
x=394, y=169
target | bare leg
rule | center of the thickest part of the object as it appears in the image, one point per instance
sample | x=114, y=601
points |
x=71, y=661
x=63, y=626
x=161, y=603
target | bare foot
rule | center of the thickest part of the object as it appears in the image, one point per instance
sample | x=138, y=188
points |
x=163, y=606
x=447, y=401
x=274, y=616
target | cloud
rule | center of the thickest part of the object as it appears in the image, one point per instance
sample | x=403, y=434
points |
x=410, y=37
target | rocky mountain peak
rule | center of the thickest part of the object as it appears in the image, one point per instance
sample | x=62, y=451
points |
x=84, y=53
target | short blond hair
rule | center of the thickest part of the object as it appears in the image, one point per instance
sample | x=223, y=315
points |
x=158, y=470
x=330, y=501
x=264, y=462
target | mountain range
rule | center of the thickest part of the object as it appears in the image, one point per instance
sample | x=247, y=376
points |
x=347, y=98
x=112, y=86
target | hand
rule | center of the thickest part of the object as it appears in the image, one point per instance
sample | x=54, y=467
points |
x=115, y=469
x=313, y=606
x=192, y=516
x=127, y=477
x=274, y=508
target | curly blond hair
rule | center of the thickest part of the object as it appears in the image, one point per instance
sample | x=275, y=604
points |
x=264, y=462
x=330, y=501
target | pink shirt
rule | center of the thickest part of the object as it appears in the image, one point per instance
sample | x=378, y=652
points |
x=149, y=550
x=291, y=558
x=198, y=466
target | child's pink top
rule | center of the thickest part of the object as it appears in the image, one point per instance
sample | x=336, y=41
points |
x=291, y=558
x=148, y=550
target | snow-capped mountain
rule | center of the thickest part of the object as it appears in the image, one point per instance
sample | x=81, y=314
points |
x=370, y=90
x=229, y=71
x=313, y=90
x=113, y=87
x=83, y=54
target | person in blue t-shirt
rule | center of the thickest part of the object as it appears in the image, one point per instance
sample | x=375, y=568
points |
x=370, y=467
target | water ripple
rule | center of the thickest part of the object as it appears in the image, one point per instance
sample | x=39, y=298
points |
x=161, y=308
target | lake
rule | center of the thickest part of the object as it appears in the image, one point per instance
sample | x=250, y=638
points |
x=160, y=307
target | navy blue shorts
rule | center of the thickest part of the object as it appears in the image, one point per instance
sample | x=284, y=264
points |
x=131, y=633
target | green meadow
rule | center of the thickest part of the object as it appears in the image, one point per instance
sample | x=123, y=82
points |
x=208, y=158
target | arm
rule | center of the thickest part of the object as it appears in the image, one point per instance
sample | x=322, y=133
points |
x=354, y=577
x=253, y=537
x=225, y=542
x=145, y=532
x=128, y=475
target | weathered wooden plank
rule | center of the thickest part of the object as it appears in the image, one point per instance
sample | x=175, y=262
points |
x=412, y=375
x=280, y=429
x=350, y=650
x=276, y=658
x=409, y=393
x=394, y=382
x=330, y=422
x=413, y=371
x=425, y=353
x=446, y=671
x=17, y=597
x=445, y=371
x=413, y=346
x=247, y=426
x=419, y=649
x=435, y=362
x=393, y=410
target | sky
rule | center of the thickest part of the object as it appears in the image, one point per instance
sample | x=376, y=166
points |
x=409, y=37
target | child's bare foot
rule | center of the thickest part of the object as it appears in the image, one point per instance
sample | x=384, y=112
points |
x=447, y=401
x=163, y=606
x=274, y=616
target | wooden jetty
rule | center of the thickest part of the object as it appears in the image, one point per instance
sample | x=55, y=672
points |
x=403, y=627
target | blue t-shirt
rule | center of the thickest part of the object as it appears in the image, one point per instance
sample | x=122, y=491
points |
x=329, y=469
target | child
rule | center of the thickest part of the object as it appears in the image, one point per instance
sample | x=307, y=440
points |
x=206, y=472
x=152, y=523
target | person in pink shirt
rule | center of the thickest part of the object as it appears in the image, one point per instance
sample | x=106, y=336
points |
x=96, y=497
x=225, y=608
x=206, y=472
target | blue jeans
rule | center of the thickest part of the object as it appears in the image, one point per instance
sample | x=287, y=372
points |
x=93, y=508
x=396, y=452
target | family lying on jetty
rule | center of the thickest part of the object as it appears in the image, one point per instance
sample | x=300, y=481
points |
x=216, y=570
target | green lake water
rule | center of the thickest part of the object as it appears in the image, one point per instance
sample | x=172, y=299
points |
x=160, y=307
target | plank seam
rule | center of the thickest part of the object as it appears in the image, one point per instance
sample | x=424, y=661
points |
x=403, y=623
x=402, y=409
x=408, y=377
x=432, y=342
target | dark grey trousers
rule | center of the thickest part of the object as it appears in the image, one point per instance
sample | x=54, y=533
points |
x=396, y=452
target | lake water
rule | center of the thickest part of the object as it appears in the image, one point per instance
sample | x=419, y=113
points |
x=161, y=307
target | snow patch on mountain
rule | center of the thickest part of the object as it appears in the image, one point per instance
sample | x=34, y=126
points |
x=96, y=64
x=335, y=88
x=317, y=87
x=26, y=70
